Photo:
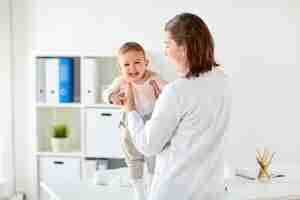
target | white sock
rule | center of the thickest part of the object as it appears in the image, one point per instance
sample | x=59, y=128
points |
x=138, y=188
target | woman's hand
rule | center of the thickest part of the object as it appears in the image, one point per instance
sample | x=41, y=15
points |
x=155, y=87
x=129, y=103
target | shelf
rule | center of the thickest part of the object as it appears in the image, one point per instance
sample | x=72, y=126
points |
x=77, y=105
x=93, y=156
x=62, y=105
x=49, y=116
x=58, y=79
x=97, y=74
x=91, y=76
x=102, y=106
x=60, y=154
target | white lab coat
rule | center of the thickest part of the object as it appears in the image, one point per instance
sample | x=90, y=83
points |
x=186, y=133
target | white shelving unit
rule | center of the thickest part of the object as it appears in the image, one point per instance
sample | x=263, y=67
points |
x=93, y=125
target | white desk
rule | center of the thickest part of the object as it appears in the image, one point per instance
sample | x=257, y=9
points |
x=286, y=188
x=239, y=190
x=86, y=191
x=89, y=191
x=277, y=189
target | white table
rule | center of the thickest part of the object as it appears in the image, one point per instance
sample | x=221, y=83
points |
x=89, y=191
x=238, y=190
x=277, y=189
x=241, y=191
x=86, y=191
x=286, y=188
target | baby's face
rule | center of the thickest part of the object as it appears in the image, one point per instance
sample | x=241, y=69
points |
x=133, y=65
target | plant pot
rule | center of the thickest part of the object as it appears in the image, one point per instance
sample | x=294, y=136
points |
x=60, y=144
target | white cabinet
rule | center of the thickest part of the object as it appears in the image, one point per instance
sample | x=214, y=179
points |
x=103, y=132
x=93, y=126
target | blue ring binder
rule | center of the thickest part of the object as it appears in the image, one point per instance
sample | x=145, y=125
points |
x=66, y=80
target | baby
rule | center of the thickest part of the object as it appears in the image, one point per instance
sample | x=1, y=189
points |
x=147, y=86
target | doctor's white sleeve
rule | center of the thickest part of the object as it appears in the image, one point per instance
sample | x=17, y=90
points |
x=151, y=138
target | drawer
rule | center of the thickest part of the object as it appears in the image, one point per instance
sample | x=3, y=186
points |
x=103, y=134
x=59, y=169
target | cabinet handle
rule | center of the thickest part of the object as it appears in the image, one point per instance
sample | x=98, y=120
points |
x=106, y=114
x=58, y=162
x=89, y=91
x=52, y=91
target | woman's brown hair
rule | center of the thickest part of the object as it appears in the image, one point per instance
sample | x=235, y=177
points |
x=190, y=30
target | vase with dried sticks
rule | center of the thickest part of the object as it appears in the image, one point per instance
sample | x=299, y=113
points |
x=264, y=160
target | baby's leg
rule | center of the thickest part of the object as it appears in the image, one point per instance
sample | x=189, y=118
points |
x=135, y=163
x=150, y=161
x=136, y=169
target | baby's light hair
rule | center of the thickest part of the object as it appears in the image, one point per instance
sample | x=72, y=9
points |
x=131, y=46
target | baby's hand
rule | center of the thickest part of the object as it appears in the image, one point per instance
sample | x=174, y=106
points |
x=116, y=99
x=155, y=87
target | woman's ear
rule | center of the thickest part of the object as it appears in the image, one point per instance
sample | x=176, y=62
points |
x=184, y=53
x=183, y=50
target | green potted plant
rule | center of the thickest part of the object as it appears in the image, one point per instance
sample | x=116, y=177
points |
x=60, y=138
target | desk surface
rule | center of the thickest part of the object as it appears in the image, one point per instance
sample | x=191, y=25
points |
x=276, y=189
x=86, y=190
x=287, y=188
x=244, y=191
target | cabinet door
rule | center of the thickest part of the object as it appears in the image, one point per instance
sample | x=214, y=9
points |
x=103, y=134
x=59, y=169
x=90, y=81
x=56, y=169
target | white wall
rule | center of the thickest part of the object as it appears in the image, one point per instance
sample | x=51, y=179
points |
x=24, y=96
x=6, y=169
x=256, y=41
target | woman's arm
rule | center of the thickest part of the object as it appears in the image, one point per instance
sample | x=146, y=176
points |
x=151, y=138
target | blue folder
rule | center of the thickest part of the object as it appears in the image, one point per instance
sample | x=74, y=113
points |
x=66, y=80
